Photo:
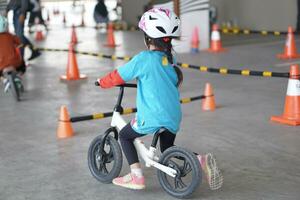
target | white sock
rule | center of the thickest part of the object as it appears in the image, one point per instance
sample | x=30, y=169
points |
x=137, y=172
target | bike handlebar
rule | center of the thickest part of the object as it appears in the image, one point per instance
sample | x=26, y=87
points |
x=130, y=85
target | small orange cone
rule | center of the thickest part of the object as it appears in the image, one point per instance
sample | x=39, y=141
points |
x=64, y=129
x=74, y=36
x=208, y=103
x=291, y=113
x=195, y=41
x=290, y=50
x=39, y=36
x=216, y=44
x=72, y=72
x=110, y=36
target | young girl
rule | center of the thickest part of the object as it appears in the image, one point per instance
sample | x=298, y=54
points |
x=158, y=100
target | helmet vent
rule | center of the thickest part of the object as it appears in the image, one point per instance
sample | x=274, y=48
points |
x=161, y=29
x=175, y=29
x=152, y=18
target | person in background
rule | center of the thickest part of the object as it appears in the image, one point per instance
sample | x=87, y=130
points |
x=100, y=13
x=3, y=4
x=298, y=16
x=36, y=14
x=20, y=8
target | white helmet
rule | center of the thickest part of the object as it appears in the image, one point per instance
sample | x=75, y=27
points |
x=3, y=24
x=159, y=22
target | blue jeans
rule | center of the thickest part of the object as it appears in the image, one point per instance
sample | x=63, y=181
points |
x=19, y=30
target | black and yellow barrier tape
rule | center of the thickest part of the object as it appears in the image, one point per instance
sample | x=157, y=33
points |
x=117, y=27
x=100, y=55
x=237, y=31
x=222, y=70
x=126, y=111
x=245, y=72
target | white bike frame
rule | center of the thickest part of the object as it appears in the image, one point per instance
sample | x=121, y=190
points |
x=148, y=155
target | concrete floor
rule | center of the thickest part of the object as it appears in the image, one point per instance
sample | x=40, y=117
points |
x=259, y=159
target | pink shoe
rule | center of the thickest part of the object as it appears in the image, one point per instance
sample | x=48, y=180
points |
x=213, y=174
x=130, y=181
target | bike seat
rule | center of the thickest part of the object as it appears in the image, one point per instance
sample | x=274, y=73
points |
x=156, y=136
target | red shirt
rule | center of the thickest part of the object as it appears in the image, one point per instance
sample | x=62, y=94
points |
x=8, y=51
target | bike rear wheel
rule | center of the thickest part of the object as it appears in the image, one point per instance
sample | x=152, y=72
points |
x=105, y=164
x=189, y=173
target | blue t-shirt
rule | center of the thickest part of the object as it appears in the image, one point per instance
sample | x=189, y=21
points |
x=158, y=100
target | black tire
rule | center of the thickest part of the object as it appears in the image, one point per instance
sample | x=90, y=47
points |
x=13, y=87
x=189, y=173
x=111, y=156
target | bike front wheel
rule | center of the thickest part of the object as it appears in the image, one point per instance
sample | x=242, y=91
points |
x=105, y=162
x=189, y=173
x=13, y=87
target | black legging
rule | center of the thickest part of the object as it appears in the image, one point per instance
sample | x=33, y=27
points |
x=127, y=136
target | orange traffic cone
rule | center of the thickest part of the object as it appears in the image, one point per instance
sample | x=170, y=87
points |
x=74, y=35
x=208, y=103
x=39, y=36
x=291, y=113
x=195, y=41
x=110, y=36
x=64, y=129
x=290, y=50
x=72, y=72
x=216, y=44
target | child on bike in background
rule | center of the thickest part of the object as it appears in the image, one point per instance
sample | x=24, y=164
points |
x=158, y=99
x=9, y=55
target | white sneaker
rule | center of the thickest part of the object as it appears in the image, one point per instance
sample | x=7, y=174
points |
x=213, y=174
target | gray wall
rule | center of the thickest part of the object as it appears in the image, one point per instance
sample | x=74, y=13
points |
x=131, y=9
x=258, y=14
x=252, y=14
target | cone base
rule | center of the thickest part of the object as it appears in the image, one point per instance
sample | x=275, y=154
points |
x=74, y=43
x=208, y=109
x=208, y=104
x=65, y=78
x=112, y=45
x=64, y=130
x=282, y=120
x=285, y=57
x=216, y=51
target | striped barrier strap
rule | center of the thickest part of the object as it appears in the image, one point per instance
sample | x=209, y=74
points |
x=245, y=72
x=237, y=31
x=117, y=27
x=126, y=111
x=222, y=70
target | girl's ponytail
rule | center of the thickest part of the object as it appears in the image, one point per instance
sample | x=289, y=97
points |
x=165, y=45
